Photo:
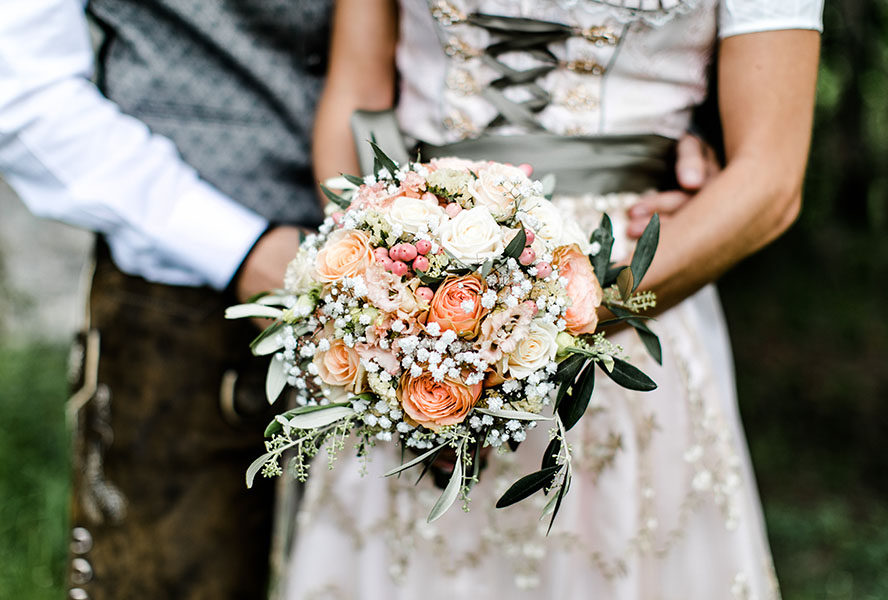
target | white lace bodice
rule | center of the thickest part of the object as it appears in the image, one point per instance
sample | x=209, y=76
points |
x=632, y=66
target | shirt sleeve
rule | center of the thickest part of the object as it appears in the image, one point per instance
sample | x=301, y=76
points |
x=737, y=17
x=72, y=155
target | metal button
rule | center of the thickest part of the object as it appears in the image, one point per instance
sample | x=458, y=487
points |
x=81, y=571
x=78, y=594
x=81, y=540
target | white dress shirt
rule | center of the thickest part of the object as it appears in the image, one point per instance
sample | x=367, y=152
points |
x=72, y=155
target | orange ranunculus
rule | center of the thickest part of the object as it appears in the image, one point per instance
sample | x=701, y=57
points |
x=436, y=403
x=347, y=253
x=456, y=305
x=340, y=365
x=583, y=289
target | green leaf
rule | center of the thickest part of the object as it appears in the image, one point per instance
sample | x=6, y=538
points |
x=604, y=235
x=485, y=268
x=626, y=319
x=518, y=415
x=625, y=283
x=429, y=280
x=321, y=418
x=429, y=462
x=526, y=486
x=275, y=426
x=548, y=182
x=334, y=197
x=569, y=368
x=354, y=179
x=550, y=456
x=276, y=379
x=630, y=377
x=415, y=461
x=256, y=466
x=516, y=246
x=384, y=161
x=242, y=311
x=610, y=277
x=265, y=342
x=572, y=410
x=650, y=340
x=451, y=492
x=645, y=249
x=561, y=492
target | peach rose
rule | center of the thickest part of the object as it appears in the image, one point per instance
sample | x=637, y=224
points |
x=436, y=403
x=583, y=289
x=456, y=305
x=347, y=253
x=340, y=365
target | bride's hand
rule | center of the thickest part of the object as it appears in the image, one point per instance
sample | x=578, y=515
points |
x=695, y=164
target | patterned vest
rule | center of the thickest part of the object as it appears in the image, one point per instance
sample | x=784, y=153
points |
x=233, y=83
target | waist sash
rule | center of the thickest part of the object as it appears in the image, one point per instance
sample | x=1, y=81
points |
x=581, y=165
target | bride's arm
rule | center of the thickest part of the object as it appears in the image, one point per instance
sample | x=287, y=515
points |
x=766, y=100
x=361, y=75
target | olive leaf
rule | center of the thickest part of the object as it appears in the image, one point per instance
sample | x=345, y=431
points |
x=451, y=492
x=334, y=197
x=526, y=486
x=645, y=249
x=516, y=246
x=383, y=160
x=276, y=426
x=572, y=409
x=630, y=377
x=354, y=179
x=254, y=310
x=604, y=236
x=276, y=379
x=625, y=283
x=257, y=465
x=415, y=461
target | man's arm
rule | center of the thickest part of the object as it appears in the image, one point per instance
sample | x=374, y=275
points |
x=71, y=155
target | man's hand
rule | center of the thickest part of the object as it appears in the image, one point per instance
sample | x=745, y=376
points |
x=695, y=164
x=264, y=268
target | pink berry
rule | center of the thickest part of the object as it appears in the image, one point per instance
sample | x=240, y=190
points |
x=531, y=236
x=425, y=294
x=423, y=247
x=452, y=209
x=527, y=257
x=544, y=269
x=386, y=262
x=528, y=170
x=421, y=263
x=429, y=197
x=337, y=216
x=408, y=252
x=380, y=252
x=399, y=268
x=532, y=306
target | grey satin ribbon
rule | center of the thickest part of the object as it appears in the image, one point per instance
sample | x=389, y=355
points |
x=581, y=165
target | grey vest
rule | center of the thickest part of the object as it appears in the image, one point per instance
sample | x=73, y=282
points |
x=233, y=83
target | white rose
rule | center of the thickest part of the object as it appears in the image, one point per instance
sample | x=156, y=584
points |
x=415, y=214
x=547, y=221
x=298, y=278
x=534, y=351
x=573, y=234
x=458, y=164
x=496, y=188
x=473, y=236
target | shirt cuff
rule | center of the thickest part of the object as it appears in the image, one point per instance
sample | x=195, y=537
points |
x=769, y=25
x=212, y=234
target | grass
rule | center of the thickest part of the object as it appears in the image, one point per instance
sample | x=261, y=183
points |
x=33, y=473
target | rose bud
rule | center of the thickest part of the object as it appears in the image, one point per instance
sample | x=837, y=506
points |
x=423, y=247
x=544, y=269
x=452, y=209
x=425, y=294
x=527, y=257
x=421, y=263
x=399, y=268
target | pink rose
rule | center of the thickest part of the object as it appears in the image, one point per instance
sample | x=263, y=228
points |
x=456, y=305
x=436, y=403
x=583, y=289
x=340, y=365
x=345, y=254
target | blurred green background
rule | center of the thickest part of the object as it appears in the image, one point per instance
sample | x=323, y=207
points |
x=809, y=320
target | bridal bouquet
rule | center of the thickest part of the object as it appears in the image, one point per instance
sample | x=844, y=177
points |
x=446, y=305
